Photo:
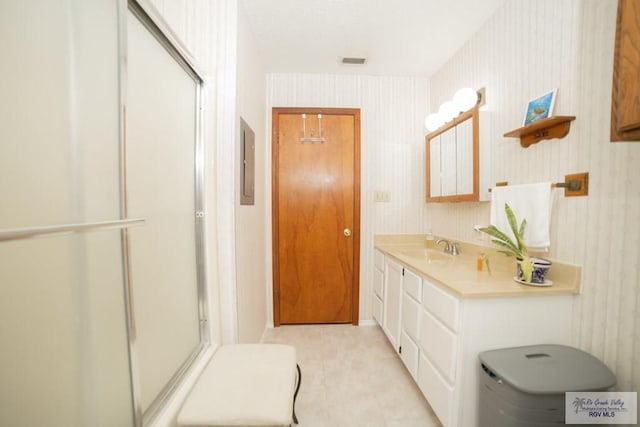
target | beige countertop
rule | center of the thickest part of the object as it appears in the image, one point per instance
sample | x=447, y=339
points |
x=459, y=274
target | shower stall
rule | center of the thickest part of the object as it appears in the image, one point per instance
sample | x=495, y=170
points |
x=102, y=296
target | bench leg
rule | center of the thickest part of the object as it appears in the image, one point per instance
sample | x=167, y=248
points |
x=295, y=395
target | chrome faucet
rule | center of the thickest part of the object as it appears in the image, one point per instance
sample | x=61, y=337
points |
x=450, y=247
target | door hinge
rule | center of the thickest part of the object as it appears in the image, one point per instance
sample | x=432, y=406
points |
x=403, y=271
x=400, y=349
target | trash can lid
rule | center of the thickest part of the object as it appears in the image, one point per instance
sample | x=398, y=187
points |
x=548, y=369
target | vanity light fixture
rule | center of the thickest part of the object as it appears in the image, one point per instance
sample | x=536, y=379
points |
x=463, y=100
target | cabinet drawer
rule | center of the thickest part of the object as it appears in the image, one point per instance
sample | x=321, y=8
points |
x=413, y=284
x=378, y=260
x=441, y=304
x=439, y=394
x=377, y=309
x=410, y=317
x=409, y=354
x=378, y=283
x=439, y=344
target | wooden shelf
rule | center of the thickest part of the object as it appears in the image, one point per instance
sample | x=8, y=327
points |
x=551, y=127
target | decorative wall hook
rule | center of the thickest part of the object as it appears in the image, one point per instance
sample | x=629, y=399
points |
x=311, y=138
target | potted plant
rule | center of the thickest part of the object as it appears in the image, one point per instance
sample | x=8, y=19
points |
x=530, y=269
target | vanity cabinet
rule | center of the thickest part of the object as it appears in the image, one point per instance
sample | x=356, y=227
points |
x=457, y=159
x=439, y=334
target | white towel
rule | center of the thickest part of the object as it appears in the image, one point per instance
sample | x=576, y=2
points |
x=528, y=201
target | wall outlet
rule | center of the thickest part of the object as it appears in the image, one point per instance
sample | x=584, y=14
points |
x=381, y=196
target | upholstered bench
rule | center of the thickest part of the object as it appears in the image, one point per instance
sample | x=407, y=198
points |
x=245, y=385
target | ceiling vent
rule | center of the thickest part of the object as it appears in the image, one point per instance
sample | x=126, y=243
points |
x=354, y=61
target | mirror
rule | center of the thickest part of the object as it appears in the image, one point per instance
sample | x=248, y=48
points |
x=448, y=162
x=434, y=189
x=456, y=154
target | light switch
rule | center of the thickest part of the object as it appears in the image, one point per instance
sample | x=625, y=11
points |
x=381, y=196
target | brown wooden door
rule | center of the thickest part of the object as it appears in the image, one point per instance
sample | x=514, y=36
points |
x=316, y=205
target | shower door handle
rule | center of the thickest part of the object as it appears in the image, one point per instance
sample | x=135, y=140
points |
x=7, y=235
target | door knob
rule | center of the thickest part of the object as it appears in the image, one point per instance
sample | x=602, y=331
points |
x=347, y=232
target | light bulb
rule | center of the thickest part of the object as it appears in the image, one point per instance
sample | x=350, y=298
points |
x=433, y=122
x=465, y=98
x=448, y=111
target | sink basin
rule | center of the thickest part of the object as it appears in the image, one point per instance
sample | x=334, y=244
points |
x=428, y=255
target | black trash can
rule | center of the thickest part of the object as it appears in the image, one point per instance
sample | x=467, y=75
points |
x=525, y=386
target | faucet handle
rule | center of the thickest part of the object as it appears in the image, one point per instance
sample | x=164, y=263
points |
x=454, y=249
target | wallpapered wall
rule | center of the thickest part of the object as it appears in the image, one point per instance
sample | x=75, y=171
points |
x=525, y=49
x=392, y=111
x=251, y=245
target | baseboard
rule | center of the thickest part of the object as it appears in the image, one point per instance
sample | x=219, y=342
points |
x=368, y=322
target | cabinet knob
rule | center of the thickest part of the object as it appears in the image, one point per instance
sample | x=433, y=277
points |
x=347, y=232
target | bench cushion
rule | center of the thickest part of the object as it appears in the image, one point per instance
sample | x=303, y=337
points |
x=244, y=385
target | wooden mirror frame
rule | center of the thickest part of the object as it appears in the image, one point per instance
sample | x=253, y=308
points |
x=473, y=115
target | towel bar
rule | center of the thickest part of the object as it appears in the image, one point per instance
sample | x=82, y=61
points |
x=574, y=185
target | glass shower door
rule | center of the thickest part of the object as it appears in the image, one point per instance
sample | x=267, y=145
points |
x=161, y=180
x=64, y=357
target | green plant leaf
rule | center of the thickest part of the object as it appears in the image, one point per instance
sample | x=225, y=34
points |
x=527, y=268
x=498, y=235
x=512, y=250
x=486, y=261
x=518, y=233
x=522, y=227
x=508, y=253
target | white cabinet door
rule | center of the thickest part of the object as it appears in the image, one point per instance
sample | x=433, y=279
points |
x=377, y=310
x=409, y=354
x=378, y=259
x=441, y=304
x=392, y=302
x=412, y=284
x=439, y=344
x=437, y=391
x=410, y=317
x=378, y=283
x=378, y=296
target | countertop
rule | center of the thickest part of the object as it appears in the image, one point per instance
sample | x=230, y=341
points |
x=458, y=273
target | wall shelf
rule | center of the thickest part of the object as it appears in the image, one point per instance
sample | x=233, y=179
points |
x=551, y=127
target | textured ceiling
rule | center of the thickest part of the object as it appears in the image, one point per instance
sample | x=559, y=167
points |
x=398, y=37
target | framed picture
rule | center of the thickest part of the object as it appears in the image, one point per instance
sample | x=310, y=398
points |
x=540, y=107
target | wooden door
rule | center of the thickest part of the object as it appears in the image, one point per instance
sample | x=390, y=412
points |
x=316, y=207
